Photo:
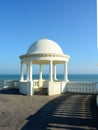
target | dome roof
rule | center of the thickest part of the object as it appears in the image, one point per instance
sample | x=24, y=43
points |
x=45, y=46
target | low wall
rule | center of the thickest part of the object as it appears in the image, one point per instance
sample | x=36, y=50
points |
x=56, y=88
x=82, y=87
x=5, y=84
x=26, y=88
x=75, y=87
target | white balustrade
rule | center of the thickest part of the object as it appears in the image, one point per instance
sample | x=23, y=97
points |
x=75, y=87
x=9, y=84
x=82, y=87
x=36, y=84
x=44, y=84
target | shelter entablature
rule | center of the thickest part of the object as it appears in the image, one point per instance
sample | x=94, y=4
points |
x=43, y=57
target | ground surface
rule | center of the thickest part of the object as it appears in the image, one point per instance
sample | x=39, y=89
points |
x=40, y=112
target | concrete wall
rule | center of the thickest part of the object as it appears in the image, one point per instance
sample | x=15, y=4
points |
x=82, y=87
x=26, y=88
x=75, y=87
x=56, y=88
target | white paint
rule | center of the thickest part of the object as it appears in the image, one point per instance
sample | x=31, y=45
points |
x=51, y=71
x=30, y=72
x=65, y=72
x=55, y=72
x=22, y=71
x=26, y=88
x=44, y=46
x=75, y=87
x=81, y=87
x=56, y=88
x=40, y=71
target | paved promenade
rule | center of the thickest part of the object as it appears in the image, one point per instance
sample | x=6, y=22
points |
x=39, y=112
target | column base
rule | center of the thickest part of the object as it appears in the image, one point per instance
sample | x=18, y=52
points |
x=66, y=80
x=55, y=79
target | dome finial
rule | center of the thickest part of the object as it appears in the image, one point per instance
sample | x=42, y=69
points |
x=43, y=37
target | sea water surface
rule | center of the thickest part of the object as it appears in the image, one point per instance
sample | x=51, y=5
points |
x=71, y=77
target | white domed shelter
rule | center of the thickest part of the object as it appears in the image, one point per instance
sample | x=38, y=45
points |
x=43, y=51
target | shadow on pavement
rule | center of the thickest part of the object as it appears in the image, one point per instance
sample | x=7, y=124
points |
x=10, y=91
x=14, y=91
x=68, y=111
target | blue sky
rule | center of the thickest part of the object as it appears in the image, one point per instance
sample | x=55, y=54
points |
x=70, y=23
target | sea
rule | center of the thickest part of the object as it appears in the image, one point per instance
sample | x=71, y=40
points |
x=71, y=77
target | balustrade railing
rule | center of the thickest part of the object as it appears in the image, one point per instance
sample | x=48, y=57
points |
x=35, y=83
x=44, y=83
x=82, y=87
x=9, y=84
x=76, y=87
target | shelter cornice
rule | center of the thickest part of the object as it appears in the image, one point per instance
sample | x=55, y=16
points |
x=44, y=55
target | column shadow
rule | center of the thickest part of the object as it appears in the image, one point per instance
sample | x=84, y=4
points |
x=40, y=91
x=69, y=111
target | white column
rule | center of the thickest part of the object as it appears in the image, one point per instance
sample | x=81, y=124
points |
x=50, y=66
x=22, y=71
x=40, y=71
x=31, y=90
x=55, y=72
x=65, y=72
x=30, y=70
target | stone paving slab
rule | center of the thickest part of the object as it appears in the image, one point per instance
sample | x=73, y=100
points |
x=41, y=112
